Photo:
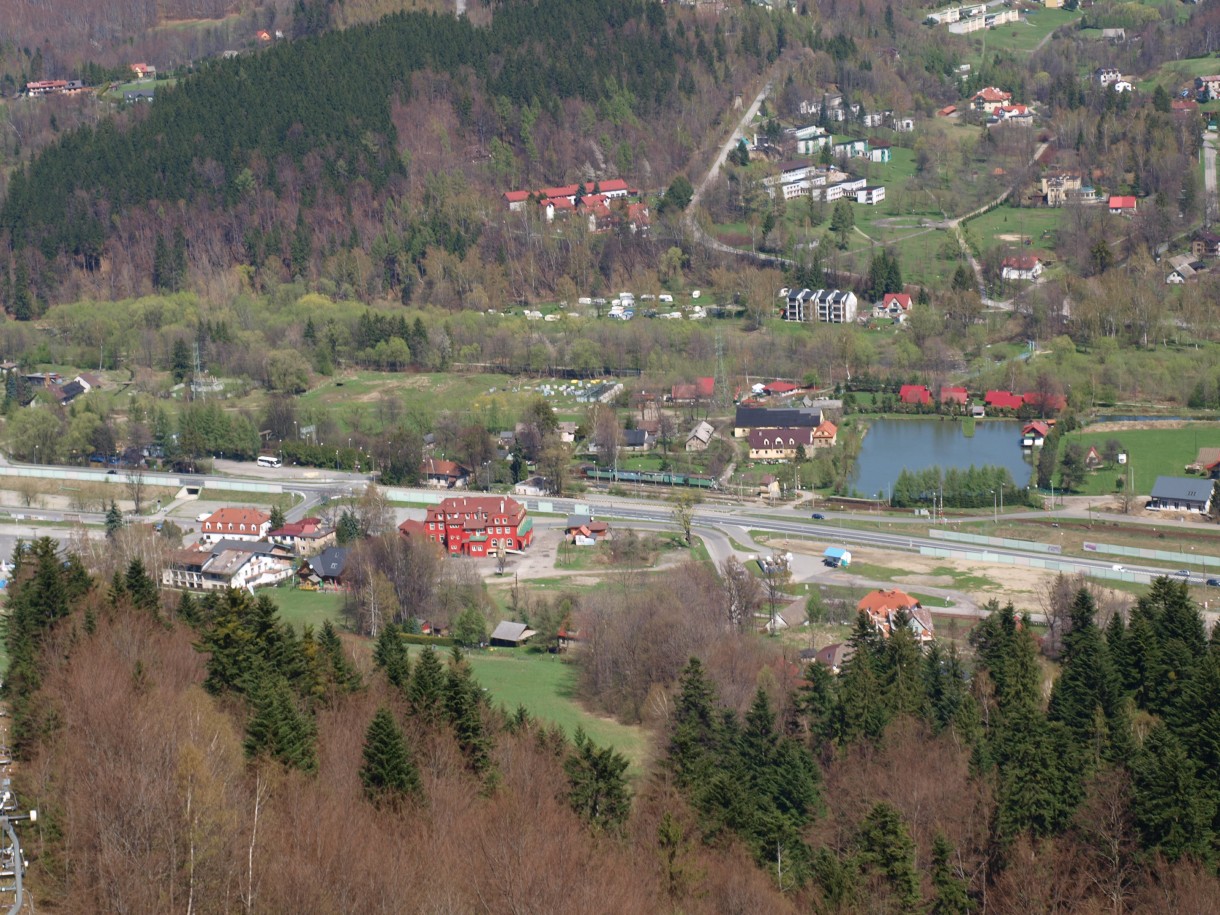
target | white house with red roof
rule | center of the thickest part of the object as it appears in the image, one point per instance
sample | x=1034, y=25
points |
x=247, y=524
x=1122, y=204
x=1021, y=267
x=896, y=305
x=1016, y=115
x=883, y=606
x=989, y=99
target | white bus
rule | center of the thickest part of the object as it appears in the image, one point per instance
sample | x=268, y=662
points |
x=269, y=460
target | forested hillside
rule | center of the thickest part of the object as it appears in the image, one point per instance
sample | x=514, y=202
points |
x=203, y=754
x=315, y=146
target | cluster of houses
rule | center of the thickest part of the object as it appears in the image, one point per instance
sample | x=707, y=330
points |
x=836, y=110
x=958, y=399
x=237, y=549
x=961, y=20
x=1109, y=77
x=802, y=178
x=604, y=204
x=55, y=87
x=784, y=433
x=840, y=306
x=999, y=107
x=54, y=385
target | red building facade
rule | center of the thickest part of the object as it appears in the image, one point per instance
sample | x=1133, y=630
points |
x=479, y=525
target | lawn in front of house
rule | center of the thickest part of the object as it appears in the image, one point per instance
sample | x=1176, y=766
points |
x=545, y=685
x=1151, y=453
x=299, y=607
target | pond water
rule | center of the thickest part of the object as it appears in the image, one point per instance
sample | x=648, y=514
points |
x=914, y=444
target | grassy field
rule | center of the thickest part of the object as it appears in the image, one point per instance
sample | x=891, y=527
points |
x=1152, y=453
x=1020, y=37
x=546, y=686
x=1008, y=225
x=300, y=608
x=1175, y=74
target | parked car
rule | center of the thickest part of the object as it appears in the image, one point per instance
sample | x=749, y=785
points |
x=818, y=516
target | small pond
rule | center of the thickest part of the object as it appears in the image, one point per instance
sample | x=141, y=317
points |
x=914, y=444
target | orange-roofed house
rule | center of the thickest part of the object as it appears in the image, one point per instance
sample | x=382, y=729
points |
x=703, y=389
x=883, y=606
x=915, y=395
x=247, y=524
x=1021, y=267
x=305, y=537
x=989, y=99
x=1122, y=204
x=825, y=435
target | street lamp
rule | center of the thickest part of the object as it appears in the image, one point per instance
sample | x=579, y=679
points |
x=994, y=508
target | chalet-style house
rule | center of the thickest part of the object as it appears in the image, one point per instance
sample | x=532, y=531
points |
x=883, y=605
x=228, y=564
x=478, y=525
x=700, y=437
x=989, y=99
x=304, y=537
x=325, y=570
x=247, y=524
x=896, y=305
x=583, y=530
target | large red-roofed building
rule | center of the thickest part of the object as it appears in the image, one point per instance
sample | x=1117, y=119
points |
x=479, y=525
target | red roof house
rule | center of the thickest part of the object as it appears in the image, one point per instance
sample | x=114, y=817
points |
x=702, y=389
x=236, y=524
x=1003, y=400
x=780, y=387
x=1122, y=204
x=954, y=395
x=915, y=394
x=896, y=302
x=883, y=605
x=479, y=525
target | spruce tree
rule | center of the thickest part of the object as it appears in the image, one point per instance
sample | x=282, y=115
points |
x=463, y=700
x=695, y=731
x=1088, y=685
x=339, y=669
x=278, y=729
x=388, y=773
x=1171, y=807
x=140, y=587
x=390, y=654
x=597, y=783
x=885, y=848
x=951, y=892
x=277, y=518
x=114, y=520
x=426, y=692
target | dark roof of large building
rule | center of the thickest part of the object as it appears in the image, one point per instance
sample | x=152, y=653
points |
x=1183, y=489
x=330, y=563
x=780, y=418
